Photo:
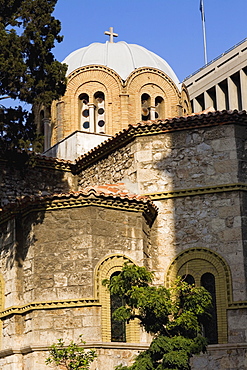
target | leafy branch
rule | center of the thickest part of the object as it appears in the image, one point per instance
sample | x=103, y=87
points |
x=71, y=357
x=173, y=316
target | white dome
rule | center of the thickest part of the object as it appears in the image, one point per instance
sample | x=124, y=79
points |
x=123, y=58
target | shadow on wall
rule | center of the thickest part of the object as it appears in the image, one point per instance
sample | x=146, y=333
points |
x=190, y=219
x=37, y=176
x=25, y=180
x=16, y=237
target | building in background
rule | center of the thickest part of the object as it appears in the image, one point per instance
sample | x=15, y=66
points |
x=222, y=83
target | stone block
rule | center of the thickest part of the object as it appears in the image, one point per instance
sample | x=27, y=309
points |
x=60, y=279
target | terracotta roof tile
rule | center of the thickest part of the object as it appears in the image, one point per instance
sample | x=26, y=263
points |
x=116, y=191
x=202, y=119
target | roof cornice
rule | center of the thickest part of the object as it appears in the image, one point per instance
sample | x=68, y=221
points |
x=146, y=128
x=39, y=161
x=84, y=198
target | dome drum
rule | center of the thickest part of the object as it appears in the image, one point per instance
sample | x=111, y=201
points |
x=106, y=85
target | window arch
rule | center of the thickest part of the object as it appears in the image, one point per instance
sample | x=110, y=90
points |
x=202, y=264
x=189, y=279
x=210, y=329
x=84, y=112
x=105, y=270
x=159, y=108
x=145, y=107
x=118, y=328
x=99, y=116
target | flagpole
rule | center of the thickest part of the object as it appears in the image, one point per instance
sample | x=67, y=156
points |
x=204, y=31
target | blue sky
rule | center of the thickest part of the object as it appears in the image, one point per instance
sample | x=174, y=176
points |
x=170, y=28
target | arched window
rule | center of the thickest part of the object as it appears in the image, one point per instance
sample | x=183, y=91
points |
x=84, y=112
x=210, y=325
x=189, y=279
x=210, y=329
x=145, y=104
x=106, y=269
x=159, y=108
x=118, y=328
x=211, y=271
x=99, y=102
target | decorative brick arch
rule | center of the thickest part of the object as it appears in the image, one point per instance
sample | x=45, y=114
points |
x=104, y=270
x=185, y=101
x=135, y=86
x=91, y=75
x=89, y=88
x=197, y=261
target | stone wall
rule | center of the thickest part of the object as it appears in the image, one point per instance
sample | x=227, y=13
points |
x=217, y=358
x=20, y=180
x=108, y=358
x=42, y=328
x=189, y=175
x=112, y=169
x=177, y=160
x=187, y=159
x=237, y=326
x=241, y=146
x=63, y=247
x=52, y=256
x=211, y=221
x=222, y=357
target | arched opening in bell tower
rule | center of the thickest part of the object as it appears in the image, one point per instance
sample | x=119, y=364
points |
x=84, y=112
x=145, y=106
x=99, y=116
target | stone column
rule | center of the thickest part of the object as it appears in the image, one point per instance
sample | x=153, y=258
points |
x=232, y=94
x=208, y=100
x=220, y=98
x=243, y=84
x=152, y=112
x=91, y=108
x=197, y=106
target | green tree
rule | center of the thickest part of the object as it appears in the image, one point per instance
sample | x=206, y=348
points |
x=172, y=316
x=28, y=69
x=17, y=131
x=71, y=357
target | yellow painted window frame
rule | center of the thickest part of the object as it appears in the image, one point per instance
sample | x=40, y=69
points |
x=197, y=262
x=104, y=270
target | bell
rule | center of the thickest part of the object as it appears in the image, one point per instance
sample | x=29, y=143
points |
x=145, y=112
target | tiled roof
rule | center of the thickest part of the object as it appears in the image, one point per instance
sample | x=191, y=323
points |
x=40, y=160
x=117, y=189
x=50, y=162
x=110, y=195
x=159, y=126
x=202, y=119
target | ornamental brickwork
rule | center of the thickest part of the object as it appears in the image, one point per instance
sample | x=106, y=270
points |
x=123, y=99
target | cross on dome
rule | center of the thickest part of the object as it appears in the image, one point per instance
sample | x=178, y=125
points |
x=111, y=34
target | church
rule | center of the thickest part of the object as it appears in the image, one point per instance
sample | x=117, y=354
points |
x=128, y=174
